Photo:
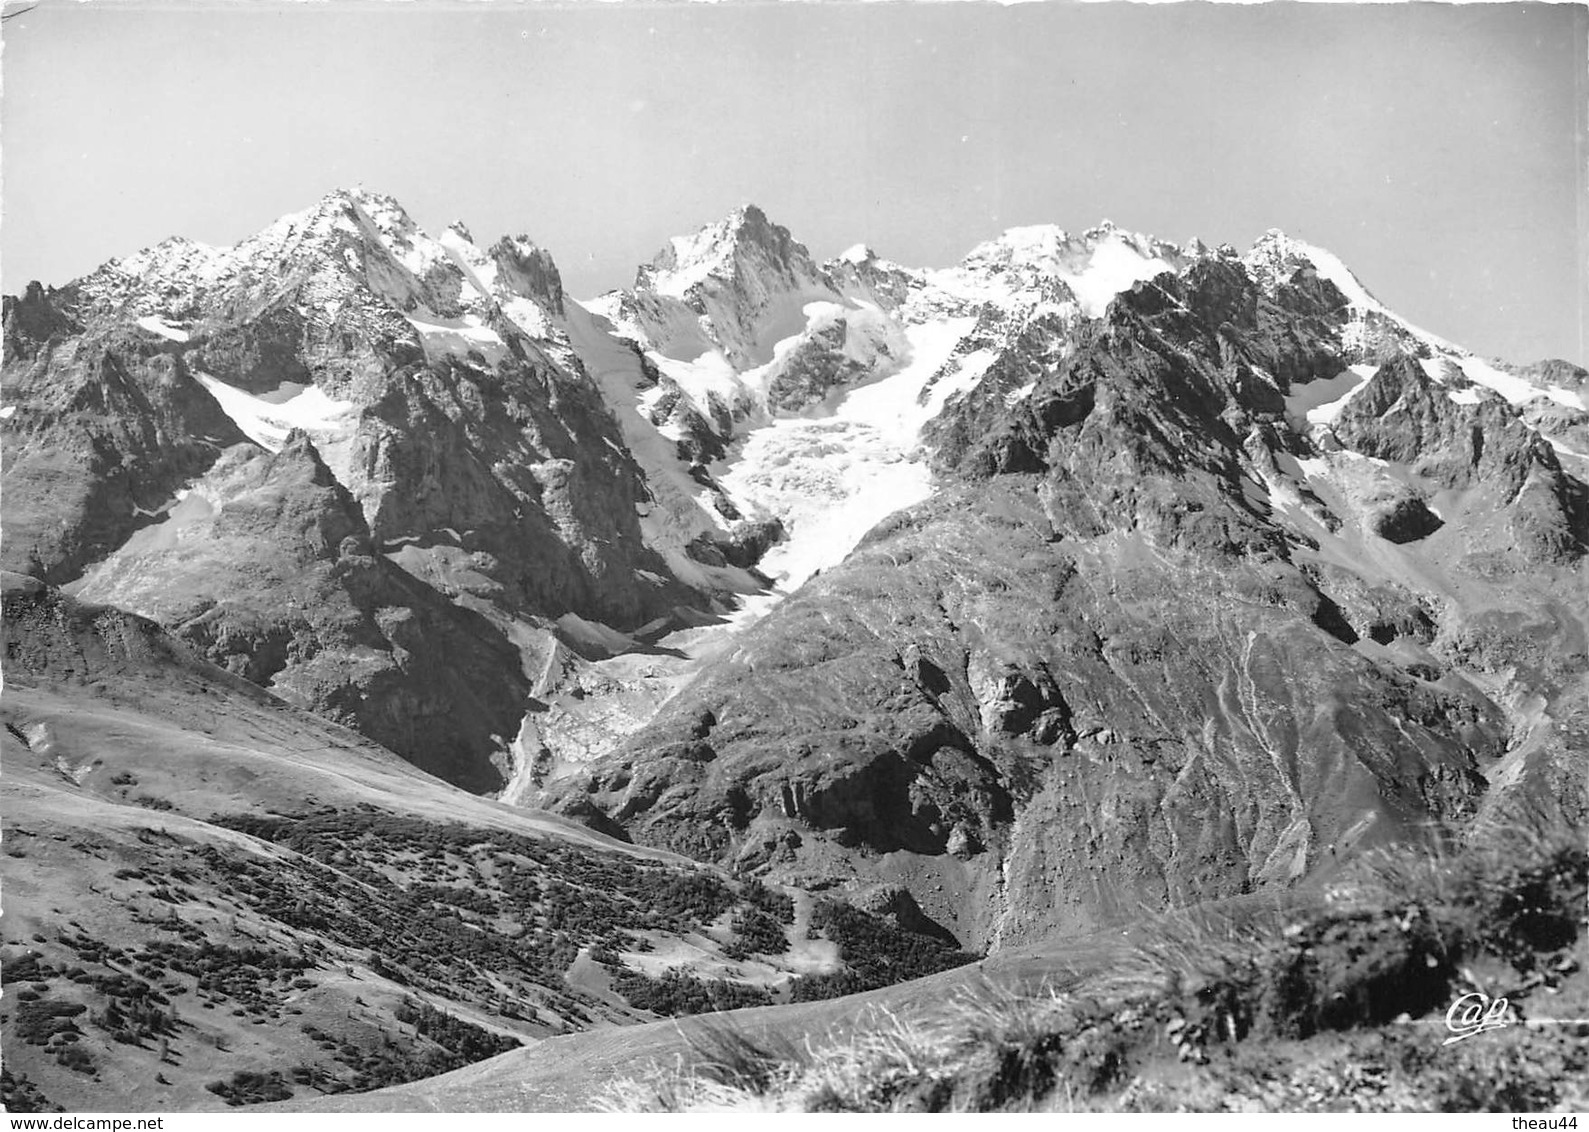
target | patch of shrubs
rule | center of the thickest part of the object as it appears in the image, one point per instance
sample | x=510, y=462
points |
x=1526, y=909
x=1530, y=1071
x=41, y=1019
x=464, y=1040
x=137, y=1016
x=248, y=1087
x=779, y=905
x=448, y=1043
x=18, y=1094
x=678, y=992
x=757, y=933
x=875, y=951
x=450, y=938
x=255, y=977
x=469, y=899
x=25, y=968
x=698, y=896
x=75, y=1058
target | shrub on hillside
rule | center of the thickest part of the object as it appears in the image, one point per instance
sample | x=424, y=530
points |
x=757, y=933
x=875, y=952
x=247, y=1087
x=677, y=993
x=18, y=1094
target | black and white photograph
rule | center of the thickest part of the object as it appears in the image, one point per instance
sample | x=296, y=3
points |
x=593, y=559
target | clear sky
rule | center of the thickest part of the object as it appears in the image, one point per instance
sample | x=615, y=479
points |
x=1436, y=148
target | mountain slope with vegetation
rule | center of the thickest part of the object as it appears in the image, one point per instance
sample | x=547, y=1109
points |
x=214, y=899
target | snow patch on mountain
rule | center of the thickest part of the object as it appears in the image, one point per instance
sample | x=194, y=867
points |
x=833, y=478
x=441, y=337
x=1321, y=402
x=1516, y=389
x=177, y=256
x=157, y=325
x=830, y=481
x=1563, y=450
x=1283, y=495
x=828, y=470
x=1276, y=256
x=1114, y=267
x=268, y=420
x=824, y=379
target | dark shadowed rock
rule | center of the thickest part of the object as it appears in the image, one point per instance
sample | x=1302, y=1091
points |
x=1405, y=519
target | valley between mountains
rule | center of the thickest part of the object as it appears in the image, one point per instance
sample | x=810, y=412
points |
x=407, y=662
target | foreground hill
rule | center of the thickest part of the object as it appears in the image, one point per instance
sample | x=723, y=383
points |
x=1336, y=1000
x=215, y=899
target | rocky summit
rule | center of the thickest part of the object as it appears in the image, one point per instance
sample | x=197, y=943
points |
x=867, y=610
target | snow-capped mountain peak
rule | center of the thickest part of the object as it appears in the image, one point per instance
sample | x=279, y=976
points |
x=1094, y=266
x=686, y=261
x=738, y=285
x=1275, y=257
x=1371, y=327
x=744, y=242
x=179, y=264
x=1372, y=330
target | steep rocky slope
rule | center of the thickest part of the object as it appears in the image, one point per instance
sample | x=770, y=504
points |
x=1222, y=582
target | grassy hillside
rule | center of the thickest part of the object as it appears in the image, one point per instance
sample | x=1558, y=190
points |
x=215, y=900
x=1334, y=1001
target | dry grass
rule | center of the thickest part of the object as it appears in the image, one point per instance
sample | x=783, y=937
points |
x=887, y=1062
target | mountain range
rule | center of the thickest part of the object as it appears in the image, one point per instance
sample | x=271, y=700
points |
x=1002, y=603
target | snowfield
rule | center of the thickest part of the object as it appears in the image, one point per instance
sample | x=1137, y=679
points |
x=832, y=478
x=158, y=325
x=1321, y=402
x=441, y=337
x=268, y=420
